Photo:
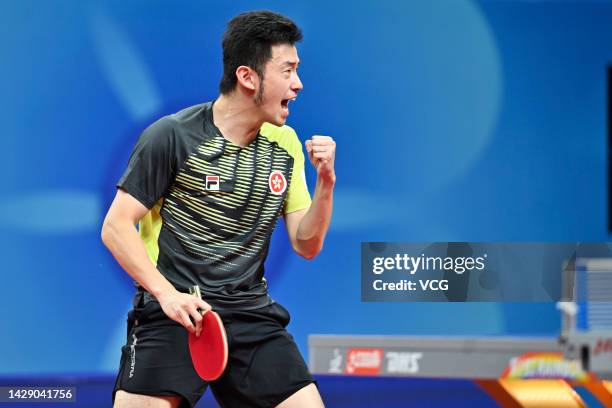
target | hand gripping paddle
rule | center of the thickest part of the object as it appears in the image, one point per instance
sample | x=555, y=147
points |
x=209, y=351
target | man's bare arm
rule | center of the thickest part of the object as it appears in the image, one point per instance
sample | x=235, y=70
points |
x=307, y=228
x=121, y=238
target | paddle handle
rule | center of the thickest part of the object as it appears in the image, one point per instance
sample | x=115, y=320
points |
x=195, y=290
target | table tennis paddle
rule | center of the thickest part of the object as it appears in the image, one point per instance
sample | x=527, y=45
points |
x=209, y=351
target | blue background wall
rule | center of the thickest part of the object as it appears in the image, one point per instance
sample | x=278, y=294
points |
x=455, y=120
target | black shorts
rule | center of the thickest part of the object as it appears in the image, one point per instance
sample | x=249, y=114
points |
x=263, y=369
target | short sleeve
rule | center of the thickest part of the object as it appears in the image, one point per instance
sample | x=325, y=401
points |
x=298, y=197
x=152, y=165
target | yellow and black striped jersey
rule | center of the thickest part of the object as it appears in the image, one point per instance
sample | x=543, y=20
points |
x=213, y=204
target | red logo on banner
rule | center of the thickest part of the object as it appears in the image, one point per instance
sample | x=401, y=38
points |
x=277, y=182
x=364, y=361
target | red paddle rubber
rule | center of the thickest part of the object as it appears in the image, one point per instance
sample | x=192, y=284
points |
x=209, y=351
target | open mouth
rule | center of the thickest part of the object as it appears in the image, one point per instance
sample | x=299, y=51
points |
x=285, y=103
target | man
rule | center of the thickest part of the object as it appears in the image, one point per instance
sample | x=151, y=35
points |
x=207, y=185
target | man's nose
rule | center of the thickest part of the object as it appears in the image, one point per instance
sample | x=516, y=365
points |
x=297, y=84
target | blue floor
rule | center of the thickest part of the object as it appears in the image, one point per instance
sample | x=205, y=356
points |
x=337, y=392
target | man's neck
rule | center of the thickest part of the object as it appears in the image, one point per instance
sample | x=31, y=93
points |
x=237, y=117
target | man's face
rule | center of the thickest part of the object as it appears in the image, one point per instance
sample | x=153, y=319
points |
x=281, y=84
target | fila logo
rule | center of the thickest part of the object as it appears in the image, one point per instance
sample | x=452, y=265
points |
x=277, y=182
x=212, y=183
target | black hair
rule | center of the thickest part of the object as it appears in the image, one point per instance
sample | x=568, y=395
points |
x=248, y=40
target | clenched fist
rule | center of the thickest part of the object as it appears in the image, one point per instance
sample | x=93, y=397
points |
x=322, y=152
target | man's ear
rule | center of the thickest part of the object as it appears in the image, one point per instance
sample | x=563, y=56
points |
x=247, y=77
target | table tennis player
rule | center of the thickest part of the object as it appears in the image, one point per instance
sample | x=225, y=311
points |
x=206, y=186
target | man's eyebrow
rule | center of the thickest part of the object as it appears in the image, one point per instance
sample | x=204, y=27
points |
x=291, y=63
